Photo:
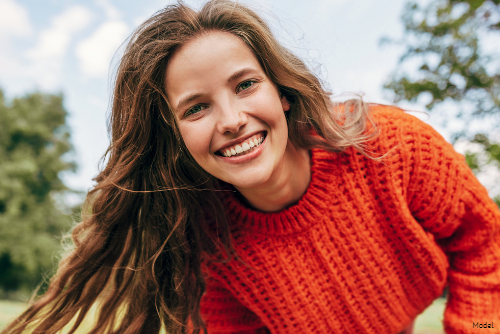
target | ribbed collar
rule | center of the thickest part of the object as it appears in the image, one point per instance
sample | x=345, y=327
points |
x=309, y=210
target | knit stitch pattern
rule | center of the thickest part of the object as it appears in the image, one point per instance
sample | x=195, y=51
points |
x=369, y=245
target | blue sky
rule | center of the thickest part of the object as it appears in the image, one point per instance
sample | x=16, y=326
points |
x=67, y=46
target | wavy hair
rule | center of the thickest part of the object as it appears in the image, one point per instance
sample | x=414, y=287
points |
x=152, y=215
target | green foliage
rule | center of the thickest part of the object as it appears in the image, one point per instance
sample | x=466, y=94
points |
x=444, y=37
x=443, y=41
x=492, y=157
x=33, y=141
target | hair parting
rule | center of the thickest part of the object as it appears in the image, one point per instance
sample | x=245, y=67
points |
x=155, y=214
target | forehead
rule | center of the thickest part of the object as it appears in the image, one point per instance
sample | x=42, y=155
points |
x=211, y=45
x=207, y=60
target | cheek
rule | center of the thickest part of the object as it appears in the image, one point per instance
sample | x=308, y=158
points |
x=197, y=140
x=270, y=110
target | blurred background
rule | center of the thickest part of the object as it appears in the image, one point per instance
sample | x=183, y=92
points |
x=438, y=59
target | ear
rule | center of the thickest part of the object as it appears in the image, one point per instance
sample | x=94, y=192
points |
x=284, y=103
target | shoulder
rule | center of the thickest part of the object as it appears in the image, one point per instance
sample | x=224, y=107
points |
x=396, y=127
x=393, y=116
x=413, y=148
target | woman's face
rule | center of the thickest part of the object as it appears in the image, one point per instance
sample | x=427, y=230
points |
x=230, y=115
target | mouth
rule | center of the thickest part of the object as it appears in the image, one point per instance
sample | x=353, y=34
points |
x=243, y=148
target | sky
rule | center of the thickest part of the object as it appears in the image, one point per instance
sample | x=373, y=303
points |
x=72, y=47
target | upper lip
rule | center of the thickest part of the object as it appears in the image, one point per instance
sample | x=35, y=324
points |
x=239, y=140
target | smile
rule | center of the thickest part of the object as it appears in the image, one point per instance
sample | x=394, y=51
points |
x=245, y=147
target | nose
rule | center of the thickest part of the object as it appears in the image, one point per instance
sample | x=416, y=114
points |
x=231, y=118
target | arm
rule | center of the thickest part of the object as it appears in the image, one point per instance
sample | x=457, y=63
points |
x=448, y=200
x=223, y=313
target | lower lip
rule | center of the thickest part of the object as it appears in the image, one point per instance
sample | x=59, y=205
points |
x=245, y=157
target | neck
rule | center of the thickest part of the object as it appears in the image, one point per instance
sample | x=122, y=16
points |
x=286, y=186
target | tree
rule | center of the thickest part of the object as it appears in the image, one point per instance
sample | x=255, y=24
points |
x=34, y=140
x=445, y=39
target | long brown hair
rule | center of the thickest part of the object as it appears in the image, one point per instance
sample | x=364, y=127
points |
x=150, y=219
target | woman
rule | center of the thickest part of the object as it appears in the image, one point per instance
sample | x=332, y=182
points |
x=238, y=199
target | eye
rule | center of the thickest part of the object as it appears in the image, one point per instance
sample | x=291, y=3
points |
x=245, y=85
x=195, y=109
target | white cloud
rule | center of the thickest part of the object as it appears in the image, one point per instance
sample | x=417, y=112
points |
x=48, y=54
x=14, y=20
x=95, y=52
x=14, y=24
x=111, y=11
x=54, y=41
x=325, y=9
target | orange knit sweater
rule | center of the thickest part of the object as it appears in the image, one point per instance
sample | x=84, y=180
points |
x=368, y=246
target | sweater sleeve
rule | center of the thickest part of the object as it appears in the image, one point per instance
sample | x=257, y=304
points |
x=223, y=313
x=447, y=200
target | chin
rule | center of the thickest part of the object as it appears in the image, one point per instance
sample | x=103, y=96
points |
x=246, y=185
x=250, y=180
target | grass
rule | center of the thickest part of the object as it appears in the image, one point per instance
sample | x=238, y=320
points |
x=429, y=322
x=9, y=310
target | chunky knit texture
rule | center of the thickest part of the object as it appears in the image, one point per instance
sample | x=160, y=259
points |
x=368, y=246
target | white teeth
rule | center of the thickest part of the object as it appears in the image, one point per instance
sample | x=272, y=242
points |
x=244, y=147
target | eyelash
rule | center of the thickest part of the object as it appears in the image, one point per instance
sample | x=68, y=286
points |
x=244, y=82
x=189, y=111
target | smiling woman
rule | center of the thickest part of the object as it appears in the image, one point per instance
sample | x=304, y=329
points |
x=232, y=120
x=237, y=198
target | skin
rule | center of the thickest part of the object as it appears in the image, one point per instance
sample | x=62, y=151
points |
x=220, y=108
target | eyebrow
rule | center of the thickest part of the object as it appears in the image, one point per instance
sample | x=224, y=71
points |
x=187, y=100
x=233, y=77
x=240, y=73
